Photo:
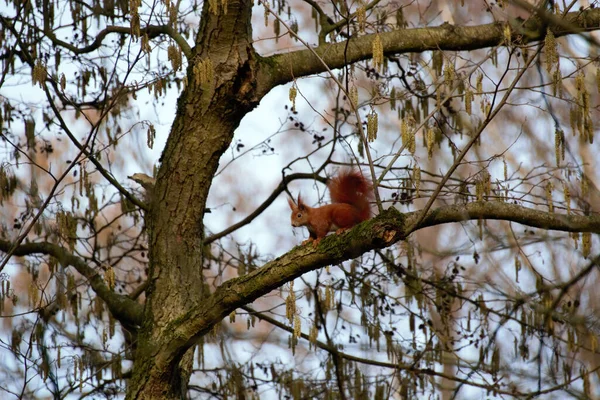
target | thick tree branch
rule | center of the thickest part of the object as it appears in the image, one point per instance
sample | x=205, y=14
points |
x=124, y=309
x=382, y=231
x=284, y=67
x=495, y=210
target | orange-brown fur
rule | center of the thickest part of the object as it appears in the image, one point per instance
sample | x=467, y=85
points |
x=350, y=195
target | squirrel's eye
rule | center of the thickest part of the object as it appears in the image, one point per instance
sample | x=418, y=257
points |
x=299, y=215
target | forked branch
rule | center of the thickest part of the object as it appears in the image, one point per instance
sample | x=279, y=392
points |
x=382, y=231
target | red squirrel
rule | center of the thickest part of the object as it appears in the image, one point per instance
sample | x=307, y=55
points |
x=350, y=195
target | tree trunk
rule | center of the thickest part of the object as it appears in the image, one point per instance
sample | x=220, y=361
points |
x=207, y=115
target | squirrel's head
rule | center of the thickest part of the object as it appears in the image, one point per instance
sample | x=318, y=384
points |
x=299, y=212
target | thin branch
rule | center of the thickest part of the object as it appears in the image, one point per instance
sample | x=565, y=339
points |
x=396, y=366
x=124, y=309
x=354, y=107
x=279, y=189
x=11, y=250
x=338, y=25
x=81, y=147
x=152, y=31
x=491, y=115
x=137, y=292
x=570, y=283
x=339, y=375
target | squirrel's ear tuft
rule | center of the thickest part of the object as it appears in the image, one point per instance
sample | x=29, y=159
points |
x=300, y=202
x=291, y=203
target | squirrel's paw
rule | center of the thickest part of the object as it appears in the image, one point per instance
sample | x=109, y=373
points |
x=342, y=230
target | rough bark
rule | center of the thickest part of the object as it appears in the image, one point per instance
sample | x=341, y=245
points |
x=287, y=66
x=380, y=232
x=178, y=308
x=207, y=115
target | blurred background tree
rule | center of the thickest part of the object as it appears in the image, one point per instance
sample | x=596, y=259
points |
x=148, y=148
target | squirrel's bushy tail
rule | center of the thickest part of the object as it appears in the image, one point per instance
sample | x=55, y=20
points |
x=351, y=187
